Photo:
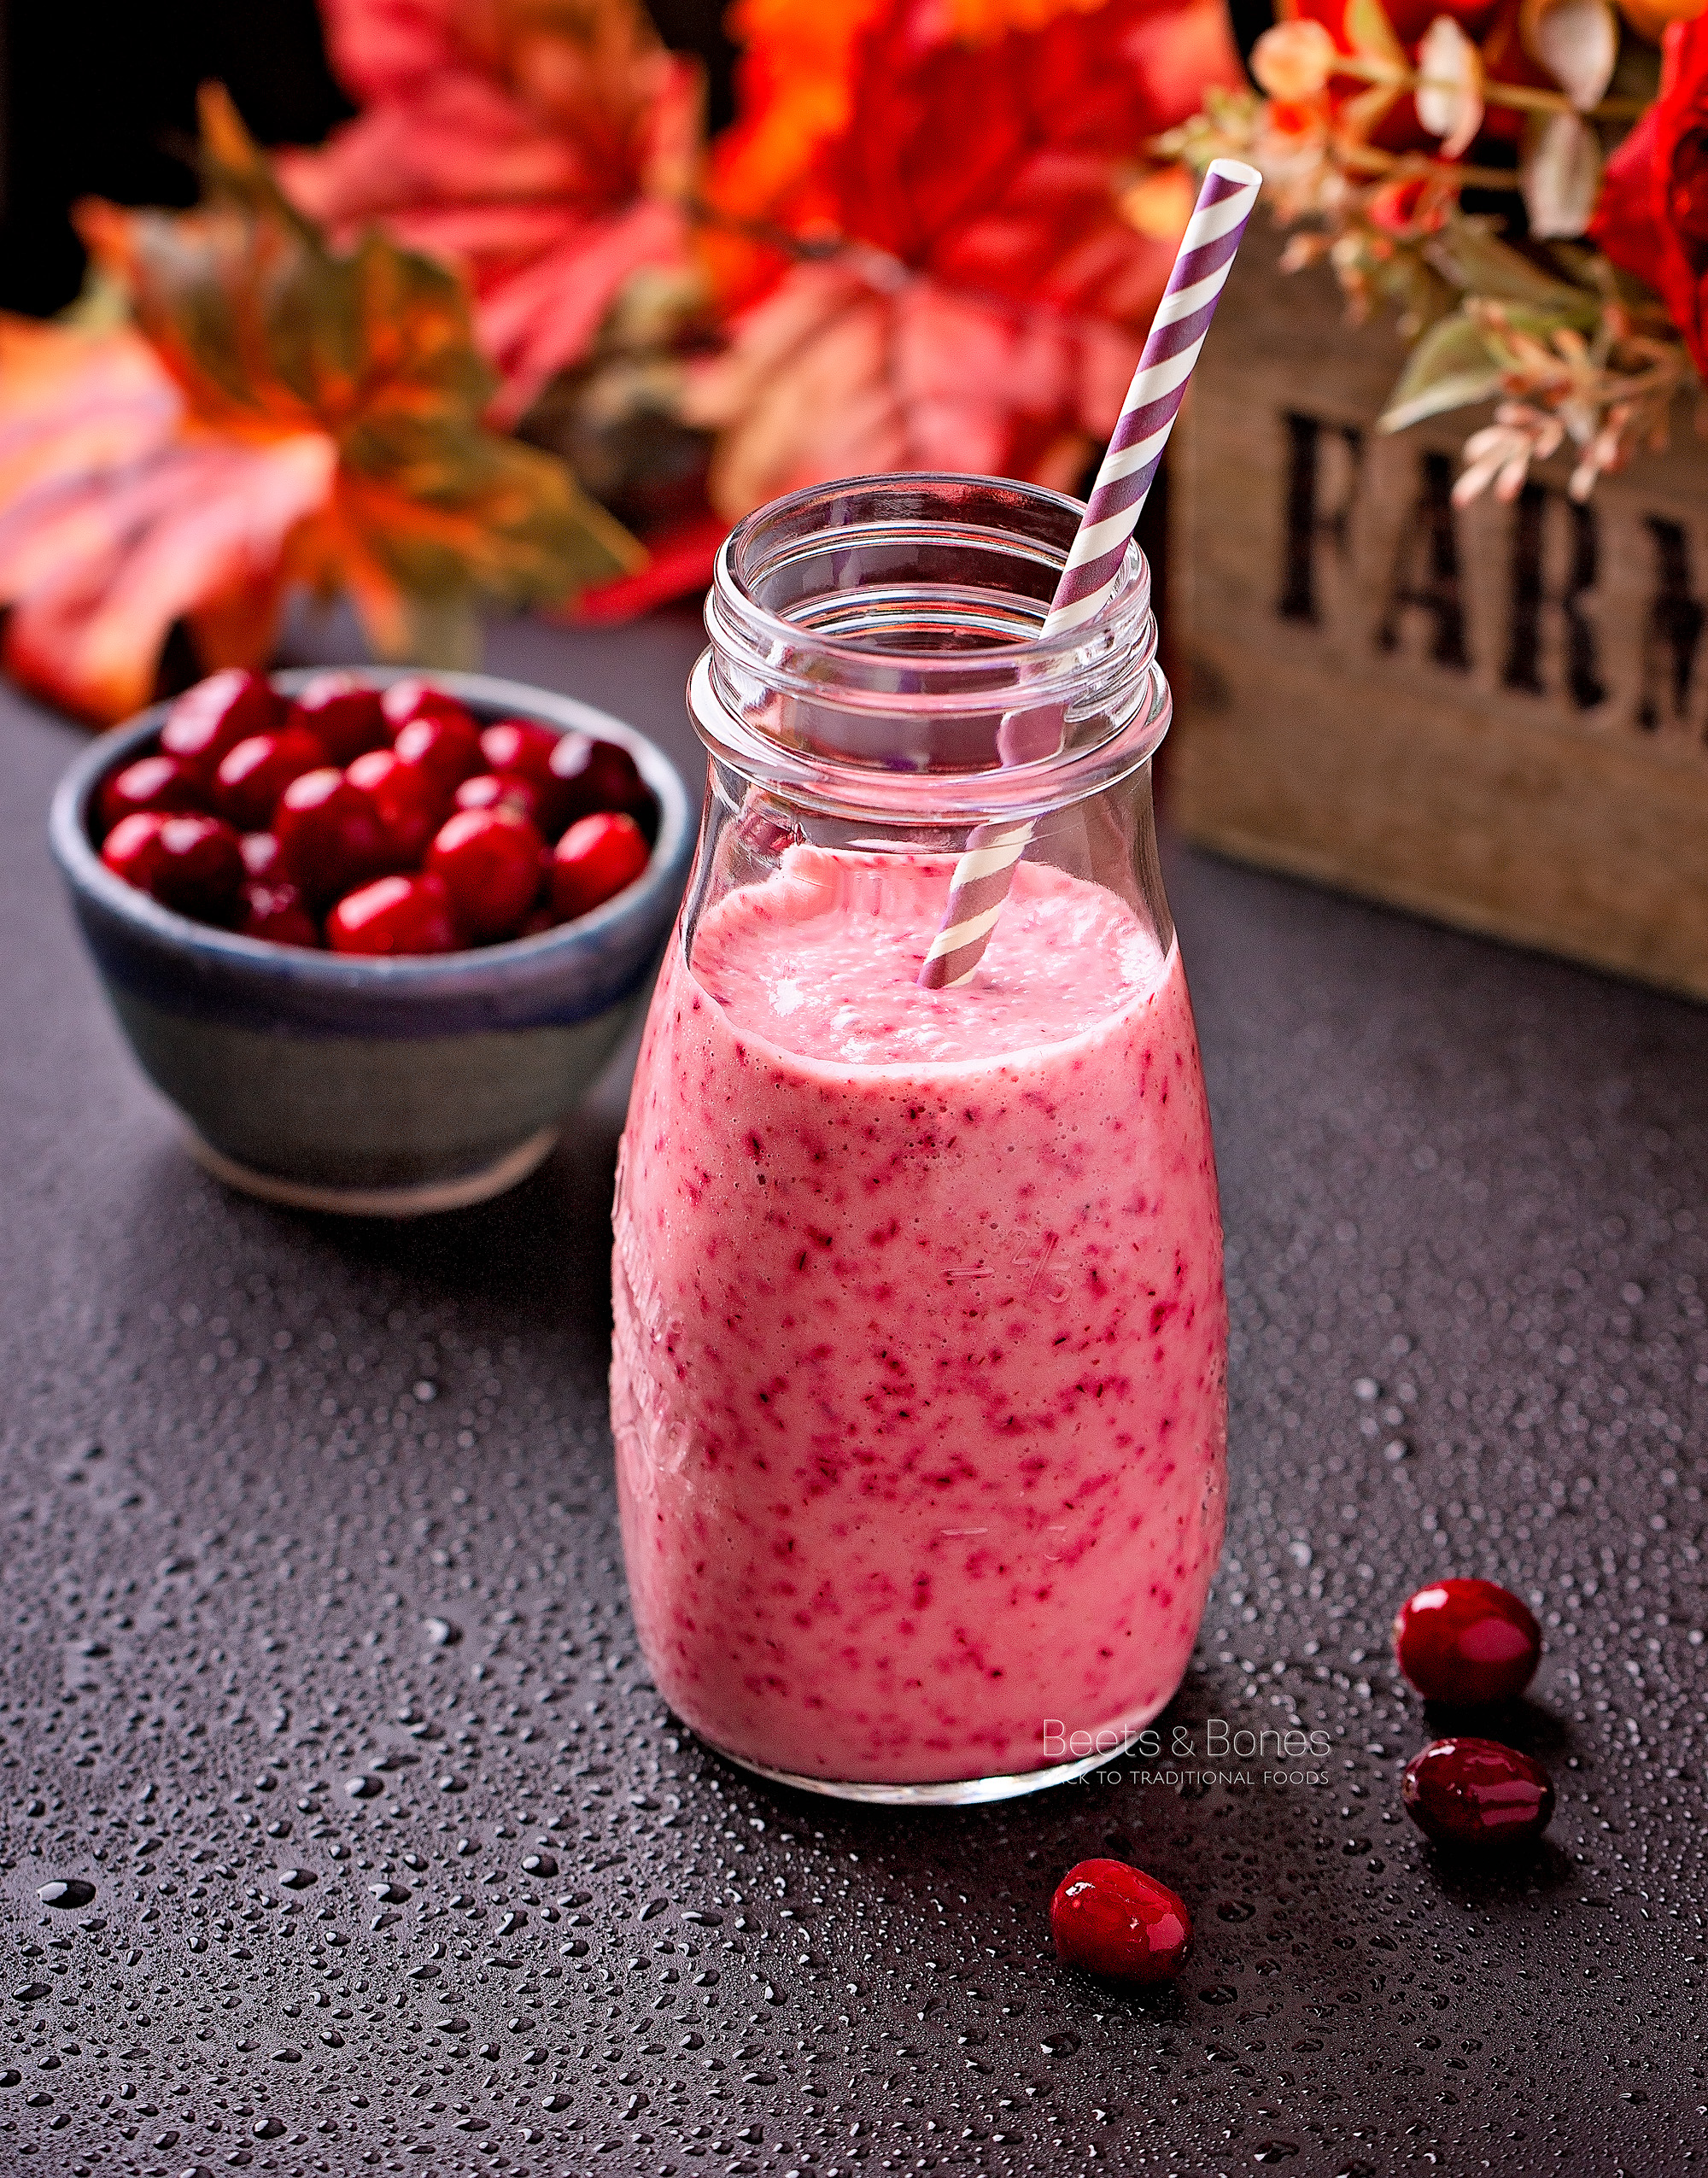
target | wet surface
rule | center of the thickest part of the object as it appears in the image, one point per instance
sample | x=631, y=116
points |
x=340, y=1830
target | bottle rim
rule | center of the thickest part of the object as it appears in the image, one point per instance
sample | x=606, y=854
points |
x=733, y=612
x=761, y=660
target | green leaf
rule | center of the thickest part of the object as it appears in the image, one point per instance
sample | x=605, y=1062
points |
x=1452, y=366
x=1477, y=262
x=1369, y=31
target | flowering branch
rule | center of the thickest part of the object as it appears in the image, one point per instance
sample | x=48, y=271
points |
x=1574, y=352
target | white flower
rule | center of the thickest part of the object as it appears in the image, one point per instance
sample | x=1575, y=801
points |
x=1449, y=93
x=1503, y=453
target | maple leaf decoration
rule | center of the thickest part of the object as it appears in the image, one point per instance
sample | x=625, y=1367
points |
x=545, y=147
x=278, y=414
x=973, y=297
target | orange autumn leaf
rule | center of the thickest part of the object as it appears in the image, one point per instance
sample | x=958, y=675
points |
x=794, y=87
x=544, y=146
x=976, y=295
x=280, y=414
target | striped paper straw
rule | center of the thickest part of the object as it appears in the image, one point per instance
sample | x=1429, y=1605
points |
x=984, y=872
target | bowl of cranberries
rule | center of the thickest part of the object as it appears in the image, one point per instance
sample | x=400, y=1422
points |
x=373, y=933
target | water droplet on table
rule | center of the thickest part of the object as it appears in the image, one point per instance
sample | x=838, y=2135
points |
x=70, y=1892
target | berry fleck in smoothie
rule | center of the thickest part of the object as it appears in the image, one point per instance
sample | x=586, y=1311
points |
x=918, y=1380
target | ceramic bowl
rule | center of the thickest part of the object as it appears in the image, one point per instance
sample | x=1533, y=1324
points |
x=375, y=1086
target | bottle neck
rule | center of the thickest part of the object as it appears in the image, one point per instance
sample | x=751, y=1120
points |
x=876, y=652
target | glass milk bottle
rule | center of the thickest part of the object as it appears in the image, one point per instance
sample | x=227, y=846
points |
x=918, y=1382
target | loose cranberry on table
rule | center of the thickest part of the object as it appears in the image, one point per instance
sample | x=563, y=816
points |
x=594, y=861
x=1114, y=1920
x=330, y=836
x=410, y=803
x=490, y=862
x=1466, y=1642
x=394, y=915
x=504, y=790
x=275, y=912
x=446, y=749
x=161, y=783
x=1476, y=1792
x=253, y=774
x=593, y=775
x=215, y=715
x=188, y=862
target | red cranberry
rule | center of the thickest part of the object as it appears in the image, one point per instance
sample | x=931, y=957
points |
x=1115, y=1920
x=343, y=716
x=329, y=838
x=161, y=783
x=394, y=915
x=199, y=867
x=489, y=860
x=1477, y=1791
x=215, y=715
x=518, y=745
x=1466, y=1642
x=595, y=859
x=131, y=849
x=537, y=922
x=260, y=856
x=599, y=774
x=408, y=802
x=275, y=912
x=414, y=697
x=252, y=775
x=446, y=749
x=492, y=790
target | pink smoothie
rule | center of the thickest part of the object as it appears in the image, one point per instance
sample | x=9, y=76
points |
x=918, y=1377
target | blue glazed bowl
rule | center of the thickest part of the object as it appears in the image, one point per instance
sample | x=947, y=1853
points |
x=375, y=1087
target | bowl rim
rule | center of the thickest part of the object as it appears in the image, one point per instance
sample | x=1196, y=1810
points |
x=439, y=973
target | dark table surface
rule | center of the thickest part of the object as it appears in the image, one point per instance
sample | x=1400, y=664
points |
x=255, y=1462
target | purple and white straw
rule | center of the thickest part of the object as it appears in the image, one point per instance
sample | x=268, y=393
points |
x=984, y=872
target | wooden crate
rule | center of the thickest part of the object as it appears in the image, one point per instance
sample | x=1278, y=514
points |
x=1498, y=716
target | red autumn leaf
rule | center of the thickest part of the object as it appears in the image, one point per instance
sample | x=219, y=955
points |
x=542, y=146
x=985, y=309
x=129, y=522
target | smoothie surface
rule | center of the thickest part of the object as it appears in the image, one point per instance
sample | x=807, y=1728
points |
x=822, y=960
